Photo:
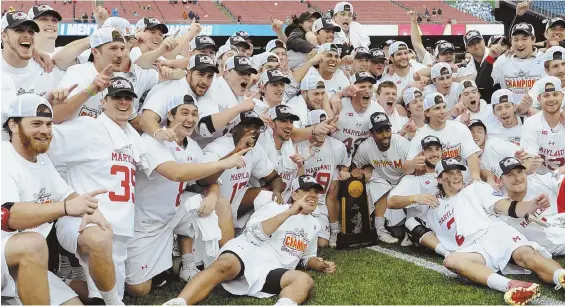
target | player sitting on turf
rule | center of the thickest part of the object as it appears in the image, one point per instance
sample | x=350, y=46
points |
x=324, y=155
x=520, y=186
x=487, y=244
x=386, y=153
x=262, y=261
x=161, y=208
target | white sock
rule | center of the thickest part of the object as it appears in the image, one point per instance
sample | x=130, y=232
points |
x=285, y=301
x=379, y=222
x=188, y=257
x=498, y=282
x=441, y=250
x=111, y=297
x=556, y=276
x=334, y=227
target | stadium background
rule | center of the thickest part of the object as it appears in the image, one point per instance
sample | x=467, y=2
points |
x=384, y=274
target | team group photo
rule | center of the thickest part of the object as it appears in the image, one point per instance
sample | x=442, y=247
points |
x=286, y=152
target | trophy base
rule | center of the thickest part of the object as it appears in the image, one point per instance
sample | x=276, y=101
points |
x=356, y=241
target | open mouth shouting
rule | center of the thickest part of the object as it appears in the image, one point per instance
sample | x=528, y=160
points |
x=25, y=44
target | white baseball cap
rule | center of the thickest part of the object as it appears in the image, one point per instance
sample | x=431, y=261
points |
x=275, y=43
x=25, y=106
x=176, y=100
x=312, y=81
x=554, y=53
x=329, y=47
x=343, y=7
x=105, y=35
x=432, y=99
x=396, y=46
x=315, y=117
x=410, y=94
x=540, y=85
x=225, y=48
x=460, y=87
x=266, y=57
x=119, y=24
x=437, y=69
x=502, y=96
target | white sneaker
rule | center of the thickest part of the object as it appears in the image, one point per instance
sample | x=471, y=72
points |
x=333, y=239
x=385, y=236
x=406, y=242
x=187, y=270
x=175, y=302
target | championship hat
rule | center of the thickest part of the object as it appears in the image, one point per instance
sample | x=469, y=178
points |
x=448, y=164
x=306, y=182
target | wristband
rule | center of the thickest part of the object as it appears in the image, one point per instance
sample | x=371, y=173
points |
x=489, y=59
x=90, y=92
x=65, y=206
x=512, y=209
x=155, y=133
x=411, y=202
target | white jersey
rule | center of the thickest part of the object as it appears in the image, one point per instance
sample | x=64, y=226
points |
x=323, y=164
x=496, y=150
x=402, y=82
x=84, y=74
x=338, y=81
x=234, y=180
x=413, y=185
x=452, y=97
x=356, y=36
x=299, y=108
x=512, y=134
x=158, y=97
x=352, y=127
x=485, y=114
x=294, y=240
x=539, y=138
x=441, y=220
x=388, y=164
x=158, y=197
x=32, y=79
x=397, y=120
x=34, y=183
x=455, y=138
x=518, y=75
x=101, y=155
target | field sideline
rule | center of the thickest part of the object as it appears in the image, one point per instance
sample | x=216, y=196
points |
x=367, y=276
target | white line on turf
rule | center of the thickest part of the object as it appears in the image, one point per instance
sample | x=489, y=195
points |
x=443, y=270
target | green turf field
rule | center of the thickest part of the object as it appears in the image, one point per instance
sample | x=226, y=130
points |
x=368, y=277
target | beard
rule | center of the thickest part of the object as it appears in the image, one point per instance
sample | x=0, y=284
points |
x=32, y=144
x=22, y=55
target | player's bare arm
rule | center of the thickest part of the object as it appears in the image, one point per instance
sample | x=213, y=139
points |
x=319, y=264
x=149, y=124
x=474, y=166
x=277, y=185
x=209, y=200
x=219, y=121
x=67, y=56
x=519, y=209
x=399, y=202
x=302, y=134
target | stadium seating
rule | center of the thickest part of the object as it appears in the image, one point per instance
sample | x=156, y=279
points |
x=556, y=7
x=382, y=12
x=448, y=12
x=254, y=12
x=480, y=9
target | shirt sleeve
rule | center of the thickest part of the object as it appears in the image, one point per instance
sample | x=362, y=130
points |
x=341, y=152
x=157, y=153
x=361, y=157
x=70, y=78
x=415, y=147
x=71, y=143
x=468, y=145
x=489, y=196
x=406, y=187
x=156, y=100
x=497, y=72
x=10, y=178
x=403, y=146
x=262, y=166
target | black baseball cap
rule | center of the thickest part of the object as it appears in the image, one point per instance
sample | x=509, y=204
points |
x=379, y=120
x=120, y=86
x=507, y=164
x=151, y=23
x=476, y=122
x=201, y=42
x=282, y=112
x=43, y=9
x=325, y=24
x=362, y=52
x=243, y=35
x=240, y=63
x=201, y=62
x=554, y=21
x=430, y=140
x=250, y=117
x=239, y=41
x=471, y=37
x=386, y=43
x=448, y=164
x=273, y=76
x=17, y=18
x=523, y=28
x=377, y=55
x=363, y=77
x=306, y=182
x=307, y=15
x=444, y=47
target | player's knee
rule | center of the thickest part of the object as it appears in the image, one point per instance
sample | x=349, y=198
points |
x=225, y=265
x=303, y=280
x=416, y=229
x=142, y=289
x=524, y=254
x=30, y=247
x=453, y=263
x=94, y=239
x=333, y=188
x=323, y=243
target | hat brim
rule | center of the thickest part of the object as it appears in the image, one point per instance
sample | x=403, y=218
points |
x=516, y=32
x=454, y=167
x=278, y=79
x=331, y=28
x=243, y=44
x=246, y=69
x=251, y=120
x=50, y=12
x=204, y=46
x=561, y=22
x=442, y=51
x=510, y=168
x=380, y=126
x=122, y=92
x=18, y=23
x=363, y=55
x=437, y=143
x=378, y=59
x=205, y=66
x=292, y=117
x=313, y=14
x=372, y=80
x=470, y=41
x=308, y=186
x=159, y=26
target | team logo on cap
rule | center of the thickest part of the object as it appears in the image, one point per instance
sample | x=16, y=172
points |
x=117, y=36
x=19, y=16
x=362, y=50
x=244, y=61
x=511, y=161
x=522, y=26
x=206, y=40
x=250, y=114
x=364, y=74
x=121, y=84
x=238, y=39
x=471, y=34
x=44, y=8
x=451, y=161
x=378, y=53
x=207, y=60
x=284, y=110
x=446, y=45
x=380, y=118
x=430, y=139
x=242, y=33
x=308, y=179
x=152, y=20
x=276, y=73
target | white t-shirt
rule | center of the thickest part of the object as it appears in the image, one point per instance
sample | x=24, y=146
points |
x=338, y=81
x=323, y=164
x=452, y=97
x=356, y=38
x=388, y=164
x=8, y=92
x=512, y=134
x=397, y=120
x=518, y=75
x=299, y=108
x=441, y=220
x=455, y=137
x=353, y=127
x=485, y=114
x=234, y=180
x=36, y=183
x=85, y=145
x=84, y=74
x=157, y=197
x=402, y=82
x=158, y=97
x=32, y=78
x=495, y=151
x=413, y=185
x=539, y=139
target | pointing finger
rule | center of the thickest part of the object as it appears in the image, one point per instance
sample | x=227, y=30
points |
x=70, y=89
x=107, y=70
x=97, y=192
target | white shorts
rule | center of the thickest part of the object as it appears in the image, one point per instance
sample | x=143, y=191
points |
x=535, y=232
x=150, y=251
x=497, y=244
x=236, y=202
x=59, y=293
x=67, y=234
x=377, y=187
x=257, y=265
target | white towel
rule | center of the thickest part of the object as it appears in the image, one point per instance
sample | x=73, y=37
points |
x=125, y=140
x=267, y=142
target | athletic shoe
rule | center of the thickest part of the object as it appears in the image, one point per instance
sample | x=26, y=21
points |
x=333, y=239
x=176, y=247
x=561, y=282
x=385, y=236
x=187, y=270
x=406, y=242
x=175, y=302
x=521, y=293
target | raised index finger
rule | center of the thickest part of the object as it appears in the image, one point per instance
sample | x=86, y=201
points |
x=107, y=70
x=97, y=192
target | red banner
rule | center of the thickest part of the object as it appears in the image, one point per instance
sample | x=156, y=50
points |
x=434, y=29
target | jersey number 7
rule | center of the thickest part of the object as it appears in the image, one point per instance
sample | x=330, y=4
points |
x=128, y=184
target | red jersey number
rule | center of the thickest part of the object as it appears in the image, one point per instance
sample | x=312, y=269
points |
x=127, y=183
x=323, y=179
x=235, y=188
x=458, y=238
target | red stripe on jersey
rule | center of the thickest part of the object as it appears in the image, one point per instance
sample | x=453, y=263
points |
x=561, y=198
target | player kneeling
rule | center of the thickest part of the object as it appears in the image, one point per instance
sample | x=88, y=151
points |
x=262, y=261
x=163, y=187
x=487, y=244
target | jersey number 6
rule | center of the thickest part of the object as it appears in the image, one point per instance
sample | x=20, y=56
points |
x=128, y=183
